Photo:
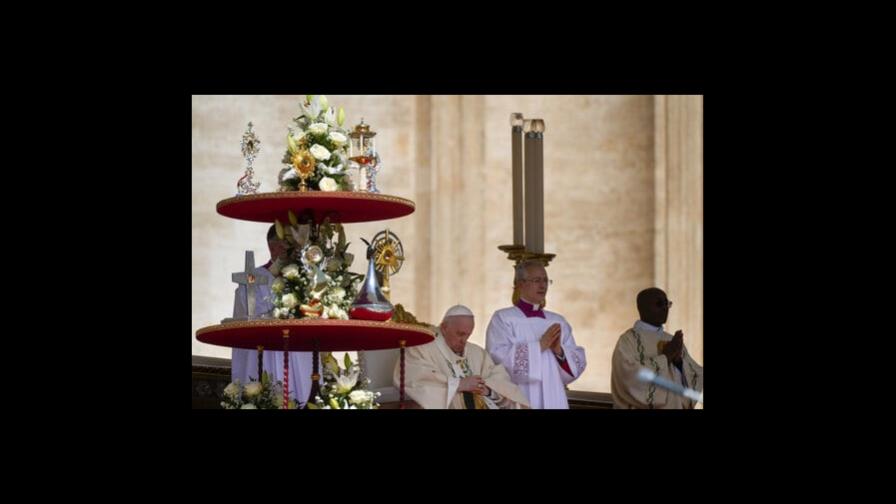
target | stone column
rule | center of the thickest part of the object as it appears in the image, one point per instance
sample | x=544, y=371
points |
x=678, y=245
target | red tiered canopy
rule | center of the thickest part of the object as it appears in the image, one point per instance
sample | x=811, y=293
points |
x=339, y=206
x=330, y=335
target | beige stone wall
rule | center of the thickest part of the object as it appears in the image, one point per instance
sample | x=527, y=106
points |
x=451, y=156
x=678, y=250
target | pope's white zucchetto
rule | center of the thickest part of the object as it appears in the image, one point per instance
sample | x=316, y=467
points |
x=458, y=311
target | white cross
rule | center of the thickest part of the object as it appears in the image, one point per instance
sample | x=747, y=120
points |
x=249, y=279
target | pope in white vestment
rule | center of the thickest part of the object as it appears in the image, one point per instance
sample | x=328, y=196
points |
x=451, y=373
x=535, y=345
x=647, y=345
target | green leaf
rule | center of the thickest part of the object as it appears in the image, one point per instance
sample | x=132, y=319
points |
x=279, y=228
x=348, y=361
x=311, y=405
x=291, y=144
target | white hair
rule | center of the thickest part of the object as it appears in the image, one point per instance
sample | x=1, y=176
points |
x=521, y=268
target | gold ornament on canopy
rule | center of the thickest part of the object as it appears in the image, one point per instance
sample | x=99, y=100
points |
x=303, y=162
x=249, y=146
x=388, y=256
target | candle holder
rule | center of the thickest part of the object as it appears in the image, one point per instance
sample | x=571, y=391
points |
x=534, y=185
x=533, y=235
x=516, y=161
x=364, y=157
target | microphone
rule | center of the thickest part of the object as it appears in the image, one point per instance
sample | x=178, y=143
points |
x=647, y=375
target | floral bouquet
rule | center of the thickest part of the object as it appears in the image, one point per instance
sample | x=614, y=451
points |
x=317, y=149
x=314, y=281
x=341, y=388
x=255, y=395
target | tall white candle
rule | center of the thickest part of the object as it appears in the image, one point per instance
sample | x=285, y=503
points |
x=537, y=128
x=529, y=186
x=516, y=157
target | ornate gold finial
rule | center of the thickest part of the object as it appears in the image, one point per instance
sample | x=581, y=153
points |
x=388, y=258
x=402, y=316
x=249, y=146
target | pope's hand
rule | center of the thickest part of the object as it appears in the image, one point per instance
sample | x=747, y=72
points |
x=471, y=384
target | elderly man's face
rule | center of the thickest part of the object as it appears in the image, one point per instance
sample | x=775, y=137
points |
x=535, y=286
x=456, y=331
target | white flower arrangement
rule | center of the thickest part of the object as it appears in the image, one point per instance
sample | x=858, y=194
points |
x=255, y=395
x=316, y=282
x=341, y=388
x=317, y=135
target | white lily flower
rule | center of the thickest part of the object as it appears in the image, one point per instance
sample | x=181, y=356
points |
x=311, y=111
x=345, y=383
x=301, y=235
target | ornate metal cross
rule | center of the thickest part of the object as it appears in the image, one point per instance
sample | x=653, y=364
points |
x=249, y=279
